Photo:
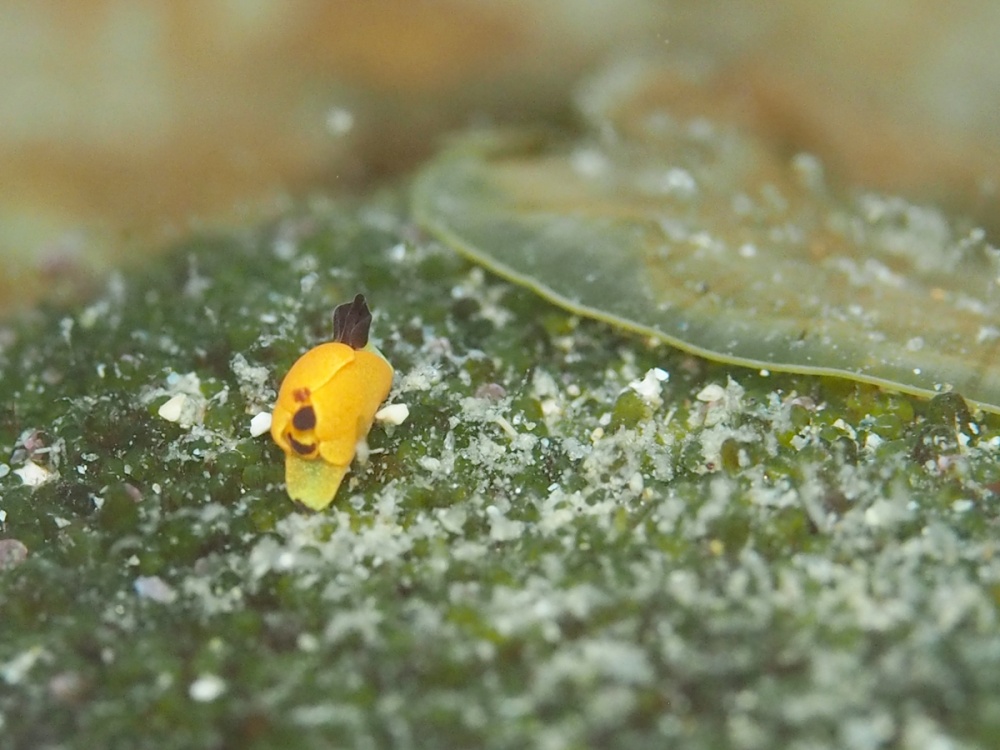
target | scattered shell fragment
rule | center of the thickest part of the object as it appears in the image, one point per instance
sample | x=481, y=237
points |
x=173, y=408
x=260, y=424
x=711, y=393
x=34, y=475
x=207, y=688
x=651, y=385
x=186, y=404
x=393, y=414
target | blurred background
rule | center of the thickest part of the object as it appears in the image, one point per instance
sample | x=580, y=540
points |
x=127, y=123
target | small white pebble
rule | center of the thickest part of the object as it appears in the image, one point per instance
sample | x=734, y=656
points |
x=394, y=414
x=155, y=588
x=34, y=475
x=507, y=427
x=207, y=688
x=636, y=483
x=429, y=463
x=15, y=669
x=650, y=388
x=307, y=642
x=711, y=392
x=173, y=408
x=260, y=423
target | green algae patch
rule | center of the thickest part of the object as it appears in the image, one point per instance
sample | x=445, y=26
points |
x=579, y=536
x=675, y=226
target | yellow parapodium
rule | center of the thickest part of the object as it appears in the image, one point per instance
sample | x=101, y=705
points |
x=326, y=406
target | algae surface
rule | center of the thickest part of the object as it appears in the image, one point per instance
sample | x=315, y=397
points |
x=578, y=538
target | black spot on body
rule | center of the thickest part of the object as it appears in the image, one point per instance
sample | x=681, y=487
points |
x=303, y=449
x=304, y=419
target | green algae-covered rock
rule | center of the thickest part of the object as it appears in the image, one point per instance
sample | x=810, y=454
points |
x=578, y=538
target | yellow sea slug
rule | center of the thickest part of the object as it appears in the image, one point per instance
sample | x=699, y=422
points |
x=326, y=406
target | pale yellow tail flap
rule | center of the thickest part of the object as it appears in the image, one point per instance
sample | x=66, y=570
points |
x=312, y=482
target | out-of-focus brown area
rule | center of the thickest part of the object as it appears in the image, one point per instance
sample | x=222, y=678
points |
x=122, y=124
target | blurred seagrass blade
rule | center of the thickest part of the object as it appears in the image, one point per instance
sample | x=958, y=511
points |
x=699, y=234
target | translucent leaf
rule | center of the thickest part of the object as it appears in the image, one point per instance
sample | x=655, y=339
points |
x=702, y=236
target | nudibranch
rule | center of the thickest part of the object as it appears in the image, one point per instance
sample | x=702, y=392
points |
x=326, y=406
